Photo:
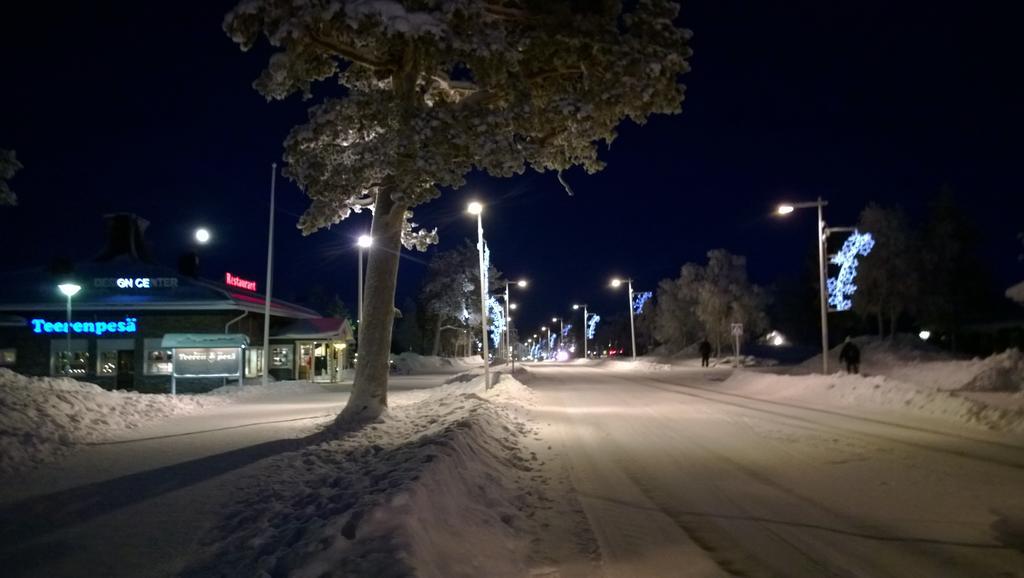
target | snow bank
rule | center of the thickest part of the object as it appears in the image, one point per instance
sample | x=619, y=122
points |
x=42, y=418
x=407, y=363
x=235, y=393
x=436, y=488
x=877, y=392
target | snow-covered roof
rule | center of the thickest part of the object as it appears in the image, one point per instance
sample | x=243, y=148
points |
x=172, y=340
x=167, y=290
x=1016, y=292
x=321, y=328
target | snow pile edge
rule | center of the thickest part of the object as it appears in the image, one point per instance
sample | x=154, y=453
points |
x=437, y=488
x=42, y=418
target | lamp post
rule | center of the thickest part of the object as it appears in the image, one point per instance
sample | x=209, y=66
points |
x=786, y=209
x=69, y=290
x=547, y=339
x=270, y=279
x=477, y=209
x=584, y=306
x=561, y=330
x=364, y=243
x=632, y=330
x=508, y=322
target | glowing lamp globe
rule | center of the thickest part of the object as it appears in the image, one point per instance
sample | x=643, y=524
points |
x=616, y=282
x=521, y=283
x=925, y=335
x=69, y=289
x=202, y=236
x=364, y=241
x=785, y=209
x=474, y=208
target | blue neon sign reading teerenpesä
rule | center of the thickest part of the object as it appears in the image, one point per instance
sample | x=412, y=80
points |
x=128, y=325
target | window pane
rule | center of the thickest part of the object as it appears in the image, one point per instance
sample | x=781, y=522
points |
x=108, y=363
x=8, y=356
x=77, y=364
x=158, y=361
x=281, y=356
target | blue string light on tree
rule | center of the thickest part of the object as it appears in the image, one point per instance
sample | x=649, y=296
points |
x=592, y=325
x=565, y=329
x=497, y=314
x=639, y=300
x=842, y=287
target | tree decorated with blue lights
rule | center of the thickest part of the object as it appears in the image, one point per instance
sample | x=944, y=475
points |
x=640, y=299
x=592, y=325
x=9, y=165
x=450, y=293
x=434, y=89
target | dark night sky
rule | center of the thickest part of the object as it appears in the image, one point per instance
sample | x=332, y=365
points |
x=119, y=108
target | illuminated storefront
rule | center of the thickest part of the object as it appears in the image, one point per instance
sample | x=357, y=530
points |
x=127, y=305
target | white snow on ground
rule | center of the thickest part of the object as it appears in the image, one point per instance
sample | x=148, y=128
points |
x=407, y=363
x=41, y=418
x=440, y=487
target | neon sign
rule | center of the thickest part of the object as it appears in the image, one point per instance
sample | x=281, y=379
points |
x=239, y=282
x=136, y=282
x=127, y=325
x=842, y=287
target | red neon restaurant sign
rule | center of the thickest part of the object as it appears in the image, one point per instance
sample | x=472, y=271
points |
x=239, y=282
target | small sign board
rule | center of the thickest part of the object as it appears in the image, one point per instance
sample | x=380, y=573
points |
x=207, y=362
x=737, y=330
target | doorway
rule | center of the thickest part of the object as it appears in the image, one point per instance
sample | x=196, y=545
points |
x=125, y=368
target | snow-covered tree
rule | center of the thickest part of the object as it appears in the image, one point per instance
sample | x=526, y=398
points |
x=675, y=318
x=726, y=296
x=432, y=89
x=887, y=279
x=9, y=165
x=451, y=290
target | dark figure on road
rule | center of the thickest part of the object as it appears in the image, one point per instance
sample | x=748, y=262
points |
x=850, y=355
x=705, y=353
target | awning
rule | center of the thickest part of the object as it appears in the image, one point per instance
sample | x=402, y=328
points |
x=319, y=328
x=180, y=340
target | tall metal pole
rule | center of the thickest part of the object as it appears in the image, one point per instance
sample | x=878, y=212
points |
x=270, y=278
x=359, y=313
x=821, y=280
x=67, y=345
x=483, y=299
x=632, y=331
x=585, y=356
x=508, y=330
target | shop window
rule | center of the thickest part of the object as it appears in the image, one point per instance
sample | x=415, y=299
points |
x=159, y=361
x=76, y=364
x=281, y=356
x=8, y=357
x=106, y=363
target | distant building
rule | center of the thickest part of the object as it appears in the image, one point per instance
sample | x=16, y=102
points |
x=128, y=303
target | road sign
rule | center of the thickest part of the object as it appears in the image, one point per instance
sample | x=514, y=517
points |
x=737, y=329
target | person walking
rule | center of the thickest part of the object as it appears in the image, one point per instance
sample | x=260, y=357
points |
x=850, y=355
x=705, y=353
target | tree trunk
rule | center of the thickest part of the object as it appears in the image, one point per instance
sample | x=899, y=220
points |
x=437, y=338
x=881, y=325
x=370, y=389
x=893, y=318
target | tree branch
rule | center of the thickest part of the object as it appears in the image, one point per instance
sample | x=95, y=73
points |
x=351, y=54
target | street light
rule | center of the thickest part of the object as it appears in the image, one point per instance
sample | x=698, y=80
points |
x=508, y=322
x=69, y=290
x=787, y=208
x=363, y=242
x=202, y=235
x=576, y=307
x=547, y=339
x=632, y=331
x=475, y=208
x=561, y=330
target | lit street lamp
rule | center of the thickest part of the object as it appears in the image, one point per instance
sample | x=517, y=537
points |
x=475, y=208
x=547, y=339
x=202, y=235
x=632, y=331
x=575, y=308
x=786, y=209
x=508, y=322
x=364, y=242
x=561, y=330
x=69, y=290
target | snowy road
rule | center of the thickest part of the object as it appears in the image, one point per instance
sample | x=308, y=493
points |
x=677, y=479
x=137, y=506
